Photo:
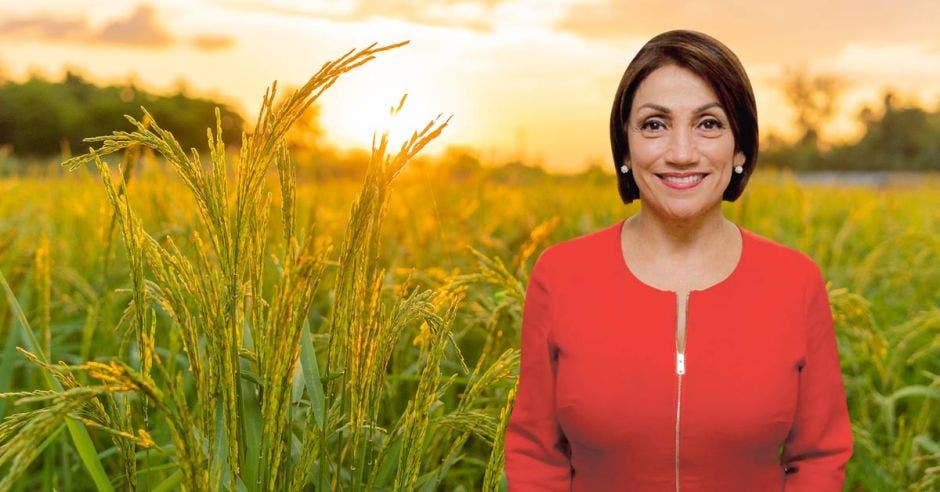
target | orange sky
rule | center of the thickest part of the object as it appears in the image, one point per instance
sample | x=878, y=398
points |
x=529, y=78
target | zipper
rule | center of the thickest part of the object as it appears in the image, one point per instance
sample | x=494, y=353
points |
x=682, y=310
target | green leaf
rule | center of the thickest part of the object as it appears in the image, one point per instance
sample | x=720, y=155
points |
x=250, y=417
x=308, y=361
x=389, y=463
x=915, y=390
x=434, y=481
x=928, y=444
x=171, y=483
x=8, y=363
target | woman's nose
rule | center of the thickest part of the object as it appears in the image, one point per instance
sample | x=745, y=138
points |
x=682, y=148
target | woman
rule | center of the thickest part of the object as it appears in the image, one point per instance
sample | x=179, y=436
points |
x=675, y=349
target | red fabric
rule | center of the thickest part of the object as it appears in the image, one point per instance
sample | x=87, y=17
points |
x=598, y=389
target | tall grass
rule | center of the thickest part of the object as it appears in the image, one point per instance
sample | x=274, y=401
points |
x=212, y=337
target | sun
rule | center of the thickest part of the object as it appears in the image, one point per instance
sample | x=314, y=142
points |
x=353, y=116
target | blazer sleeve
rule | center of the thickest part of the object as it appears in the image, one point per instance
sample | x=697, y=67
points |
x=820, y=440
x=536, y=450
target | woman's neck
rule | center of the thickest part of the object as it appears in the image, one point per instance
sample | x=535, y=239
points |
x=670, y=237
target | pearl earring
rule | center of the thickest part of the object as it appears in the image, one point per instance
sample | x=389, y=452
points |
x=624, y=169
x=739, y=169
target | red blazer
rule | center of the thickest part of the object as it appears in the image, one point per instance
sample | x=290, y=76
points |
x=600, y=403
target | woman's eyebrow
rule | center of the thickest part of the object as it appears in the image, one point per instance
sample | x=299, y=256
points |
x=664, y=109
x=708, y=106
x=657, y=107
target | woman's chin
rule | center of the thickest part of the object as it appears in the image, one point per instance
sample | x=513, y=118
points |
x=684, y=212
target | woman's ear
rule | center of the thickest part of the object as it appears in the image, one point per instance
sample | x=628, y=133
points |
x=739, y=158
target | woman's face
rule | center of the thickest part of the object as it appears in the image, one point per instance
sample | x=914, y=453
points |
x=681, y=144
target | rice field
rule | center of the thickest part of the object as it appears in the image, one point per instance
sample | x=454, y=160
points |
x=181, y=321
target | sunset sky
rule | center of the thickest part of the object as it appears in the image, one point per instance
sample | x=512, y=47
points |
x=523, y=78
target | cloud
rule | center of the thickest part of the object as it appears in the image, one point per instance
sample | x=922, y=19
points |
x=212, y=42
x=141, y=28
x=759, y=32
x=45, y=28
x=467, y=14
x=446, y=13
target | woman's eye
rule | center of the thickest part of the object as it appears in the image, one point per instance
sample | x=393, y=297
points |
x=711, y=124
x=652, y=125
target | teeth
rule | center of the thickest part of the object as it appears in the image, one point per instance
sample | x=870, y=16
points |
x=686, y=180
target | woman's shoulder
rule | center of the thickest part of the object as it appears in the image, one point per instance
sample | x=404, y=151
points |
x=588, y=252
x=595, y=240
x=779, y=257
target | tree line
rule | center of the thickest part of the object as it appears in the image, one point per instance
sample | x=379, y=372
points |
x=896, y=136
x=43, y=118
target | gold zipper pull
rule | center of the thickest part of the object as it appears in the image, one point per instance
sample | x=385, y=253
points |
x=680, y=363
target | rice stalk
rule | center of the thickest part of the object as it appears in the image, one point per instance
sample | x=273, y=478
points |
x=416, y=420
x=361, y=340
x=493, y=477
x=42, y=279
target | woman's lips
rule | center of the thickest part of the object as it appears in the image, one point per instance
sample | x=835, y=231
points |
x=682, y=181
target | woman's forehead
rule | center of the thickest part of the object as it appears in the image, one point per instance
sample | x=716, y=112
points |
x=674, y=89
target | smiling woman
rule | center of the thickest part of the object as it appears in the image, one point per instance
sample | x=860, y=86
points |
x=719, y=77
x=675, y=349
x=680, y=141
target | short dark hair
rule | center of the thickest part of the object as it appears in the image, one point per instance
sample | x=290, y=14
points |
x=720, y=68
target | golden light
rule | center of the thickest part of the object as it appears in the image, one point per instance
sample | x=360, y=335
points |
x=367, y=117
x=390, y=99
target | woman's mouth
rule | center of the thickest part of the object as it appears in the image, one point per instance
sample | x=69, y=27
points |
x=681, y=181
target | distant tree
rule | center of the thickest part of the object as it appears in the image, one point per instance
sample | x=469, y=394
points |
x=595, y=171
x=895, y=137
x=39, y=117
x=517, y=173
x=814, y=98
x=460, y=162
